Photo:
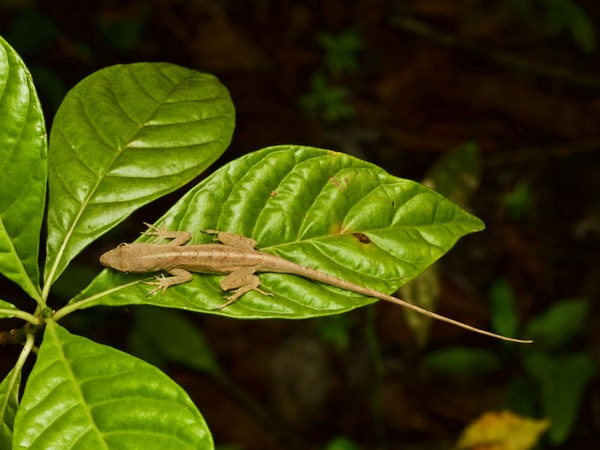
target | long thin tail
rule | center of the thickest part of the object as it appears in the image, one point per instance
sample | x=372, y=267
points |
x=293, y=268
x=433, y=315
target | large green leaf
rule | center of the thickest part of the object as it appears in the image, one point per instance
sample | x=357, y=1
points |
x=163, y=336
x=123, y=137
x=83, y=395
x=562, y=381
x=23, y=163
x=9, y=402
x=560, y=323
x=503, y=304
x=462, y=360
x=319, y=208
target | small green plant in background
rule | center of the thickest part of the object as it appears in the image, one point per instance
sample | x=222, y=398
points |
x=325, y=101
x=518, y=201
x=342, y=443
x=123, y=137
x=341, y=52
x=328, y=100
x=555, y=17
x=551, y=376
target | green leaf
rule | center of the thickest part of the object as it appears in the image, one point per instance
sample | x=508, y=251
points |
x=462, y=360
x=23, y=160
x=319, y=208
x=423, y=291
x=341, y=51
x=9, y=402
x=581, y=26
x=584, y=34
x=456, y=175
x=83, y=395
x=123, y=137
x=173, y=338
x=6, y=308
x=504, y=317
x=562, y=381
x=518, y=201
x=559, y=324
x=335, y=331
x=326, y=101
x=342, y=443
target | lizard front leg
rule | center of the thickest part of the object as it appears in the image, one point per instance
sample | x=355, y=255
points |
x=232, y=239
x=179, y=237
x=242, y=280
x=162, y=283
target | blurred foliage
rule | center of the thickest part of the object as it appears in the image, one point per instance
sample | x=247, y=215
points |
x=342, y=443
x=503, y=306
x=502, y=431
x=548, y=377
x=162, y=336
x=555, y=17
x=22, y=39
x=462, y=360
x=123, y=31
x=456, y=175
x=335, y=330
x=341, y=51
x=327, y=101
x=518, y=201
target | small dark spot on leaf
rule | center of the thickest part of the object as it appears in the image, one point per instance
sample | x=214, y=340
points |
x=362, y=238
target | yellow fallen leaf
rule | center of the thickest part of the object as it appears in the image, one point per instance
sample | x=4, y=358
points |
x=502, y=430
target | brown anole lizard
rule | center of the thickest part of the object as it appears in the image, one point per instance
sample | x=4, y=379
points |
x=237, y=257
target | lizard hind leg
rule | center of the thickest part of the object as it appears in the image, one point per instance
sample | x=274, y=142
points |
x=241, y=281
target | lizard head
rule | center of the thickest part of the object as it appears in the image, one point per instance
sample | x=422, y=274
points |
x=119, y=258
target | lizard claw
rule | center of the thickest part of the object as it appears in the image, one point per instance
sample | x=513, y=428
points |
x=237, y=294
x=160, y=233
x=160, y=283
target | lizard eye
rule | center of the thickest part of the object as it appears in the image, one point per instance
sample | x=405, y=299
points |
x=124, y=244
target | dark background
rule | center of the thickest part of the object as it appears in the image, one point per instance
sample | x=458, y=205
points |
x=398, y=83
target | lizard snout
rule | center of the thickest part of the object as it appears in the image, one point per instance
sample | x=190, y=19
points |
x=114, y=259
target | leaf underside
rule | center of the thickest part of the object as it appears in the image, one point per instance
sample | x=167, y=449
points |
x=319, y=208
x=84, y=395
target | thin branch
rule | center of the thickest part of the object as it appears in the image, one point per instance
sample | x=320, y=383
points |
x=527, y=154
x=425, y=31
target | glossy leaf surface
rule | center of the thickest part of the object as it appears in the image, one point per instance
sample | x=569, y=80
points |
x=9, y=402
x=123, y=137
x=23, y=164
x=321, y=209
x=83, y=395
